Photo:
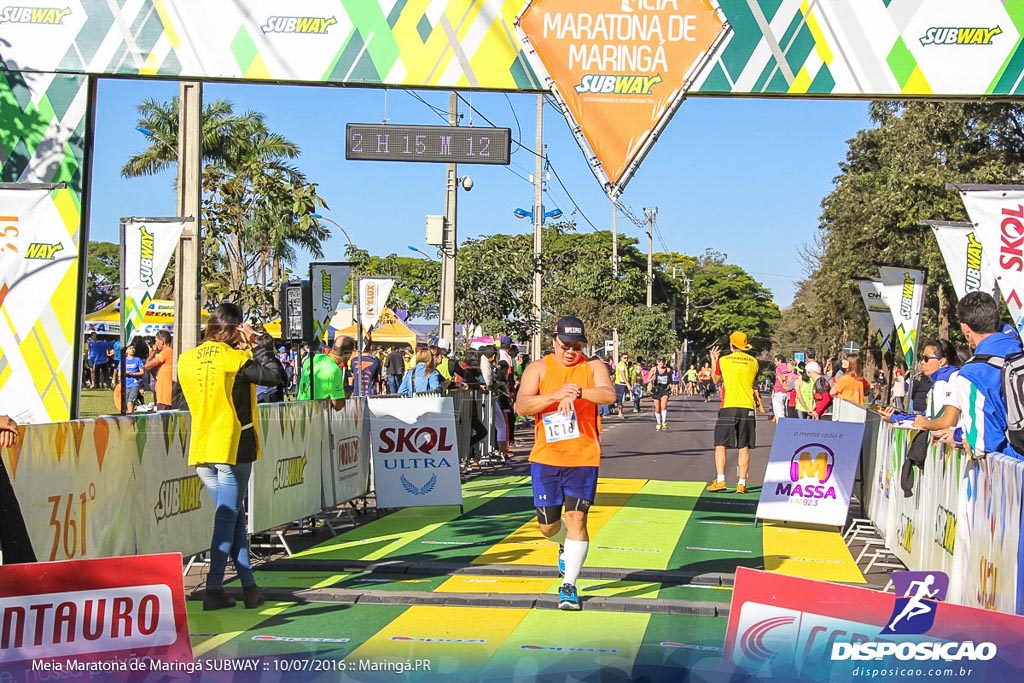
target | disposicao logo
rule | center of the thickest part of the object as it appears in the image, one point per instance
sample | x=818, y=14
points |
x=51, y=16
x=311, y=25
x=914, y=614
x=958, y=35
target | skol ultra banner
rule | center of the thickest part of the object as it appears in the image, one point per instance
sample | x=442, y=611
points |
x=810, y=471
x=903, y=290
x=998, y=218
x=329, y=281
x=878, y=311
x=116, y=619
x=621, y=68
x=147, y=249
x=415, y=452
x=373, y=297
x=965, y=257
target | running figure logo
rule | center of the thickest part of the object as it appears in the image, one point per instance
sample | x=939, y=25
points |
x=914, y=613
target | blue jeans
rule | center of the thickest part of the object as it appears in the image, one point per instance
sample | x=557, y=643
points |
x=394, y=381
x=228, y=485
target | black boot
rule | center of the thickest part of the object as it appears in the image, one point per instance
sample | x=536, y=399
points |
x=253, y=596
x=214, y=598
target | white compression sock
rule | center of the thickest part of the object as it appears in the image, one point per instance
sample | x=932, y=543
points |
x=559, y=536
x=664, y=416
x=575, y=553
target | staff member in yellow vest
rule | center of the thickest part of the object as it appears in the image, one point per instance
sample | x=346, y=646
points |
x=736, y=425
x=562, y=391
x=218, y=379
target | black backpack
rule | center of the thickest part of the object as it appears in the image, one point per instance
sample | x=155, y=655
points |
x=1011, y=369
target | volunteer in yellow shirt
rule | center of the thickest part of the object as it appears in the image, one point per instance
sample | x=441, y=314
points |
x=736, y=423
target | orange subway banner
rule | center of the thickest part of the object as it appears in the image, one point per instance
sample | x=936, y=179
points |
x=620, y=67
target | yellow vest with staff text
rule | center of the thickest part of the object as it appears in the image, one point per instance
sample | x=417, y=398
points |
x=207, y=376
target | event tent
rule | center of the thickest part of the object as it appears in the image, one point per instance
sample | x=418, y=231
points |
x=388, y=330
x=159, y=316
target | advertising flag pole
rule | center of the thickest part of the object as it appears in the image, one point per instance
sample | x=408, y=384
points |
x=124, y=290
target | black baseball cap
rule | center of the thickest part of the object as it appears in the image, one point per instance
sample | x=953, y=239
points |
x=570, y=329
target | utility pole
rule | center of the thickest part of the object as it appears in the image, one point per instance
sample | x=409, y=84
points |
x=650, y=214
x=449, y=242
x=538, y=221
x=615, y=275
x=187, y=287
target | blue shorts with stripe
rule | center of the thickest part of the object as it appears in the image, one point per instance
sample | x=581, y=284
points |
x=552, y=485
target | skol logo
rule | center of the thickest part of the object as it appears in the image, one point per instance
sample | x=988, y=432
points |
x=33, y=15
x=425, y=440
x=178, y=496
x=907, y=296
x=315, y=25
x=953, y=35
x=43, y=251
x=812, y=461
x=972, y=279
x=290, y=472
x=606, y=84
x=146, y=249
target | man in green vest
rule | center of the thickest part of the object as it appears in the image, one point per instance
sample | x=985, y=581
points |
x=329, y=370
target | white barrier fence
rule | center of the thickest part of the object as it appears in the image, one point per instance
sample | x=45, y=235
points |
x=964, y=517
x=116, y=486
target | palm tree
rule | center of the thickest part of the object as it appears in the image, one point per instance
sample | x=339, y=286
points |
x=256, y=204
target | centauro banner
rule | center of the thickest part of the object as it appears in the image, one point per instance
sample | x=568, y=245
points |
x=878, y=311
x=998, y=217
x=373, y=297
x=329, y=280
x=37, y=255
x=620, y=67
x=965, y=257
x=903, y=291
x=148, y=247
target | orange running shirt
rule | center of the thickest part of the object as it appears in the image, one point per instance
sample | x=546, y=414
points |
x=584, y=451
x=165, y=376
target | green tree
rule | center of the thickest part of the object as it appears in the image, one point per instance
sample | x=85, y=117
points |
x=103, y=281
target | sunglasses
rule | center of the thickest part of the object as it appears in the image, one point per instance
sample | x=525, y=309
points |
x=925, y=359
x=578, y=346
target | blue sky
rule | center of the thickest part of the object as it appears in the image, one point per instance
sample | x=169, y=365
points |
x=742, y=176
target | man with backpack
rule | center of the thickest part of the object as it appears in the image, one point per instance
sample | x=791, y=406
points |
x=979, y=388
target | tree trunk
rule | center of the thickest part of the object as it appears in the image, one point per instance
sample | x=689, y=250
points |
x=943, y=314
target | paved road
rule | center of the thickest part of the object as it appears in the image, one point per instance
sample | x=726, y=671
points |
x=633, y=449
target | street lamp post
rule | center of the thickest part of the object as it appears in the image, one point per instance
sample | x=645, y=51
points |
x=420, y=251
x=686, y=316
x=333, y=222
x=539, y=216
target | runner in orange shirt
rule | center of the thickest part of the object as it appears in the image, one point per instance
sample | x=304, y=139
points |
x=562, y=391
x=162, y=360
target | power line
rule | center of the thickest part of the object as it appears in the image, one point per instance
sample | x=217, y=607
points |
x=564, y=189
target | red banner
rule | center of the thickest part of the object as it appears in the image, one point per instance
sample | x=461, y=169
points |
x=123, y=612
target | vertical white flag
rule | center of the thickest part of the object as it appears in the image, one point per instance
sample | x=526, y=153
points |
x=373, y=296
x=878, y=311
x=965, y=257
x=328, y=280
x=998, y=217
x=148, y=246
x=903, y=290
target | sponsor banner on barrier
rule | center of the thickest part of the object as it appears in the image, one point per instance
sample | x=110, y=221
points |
x=287, y=479
x=785, y=628
x=998, y=217
x=878, y=311
x=810, y=471
x=965, y=257
x=989, y=528
x=415, y=452
x=903, y=291
x=147, y=249
x=170, y=509
x=70, y=481
x=346, y=457
x=65, y=619
x=620, y=68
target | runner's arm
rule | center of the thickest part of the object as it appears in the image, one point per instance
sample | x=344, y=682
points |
x=603, y=392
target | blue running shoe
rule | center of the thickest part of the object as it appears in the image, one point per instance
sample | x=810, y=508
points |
x=561, y=560
x=567, y=597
